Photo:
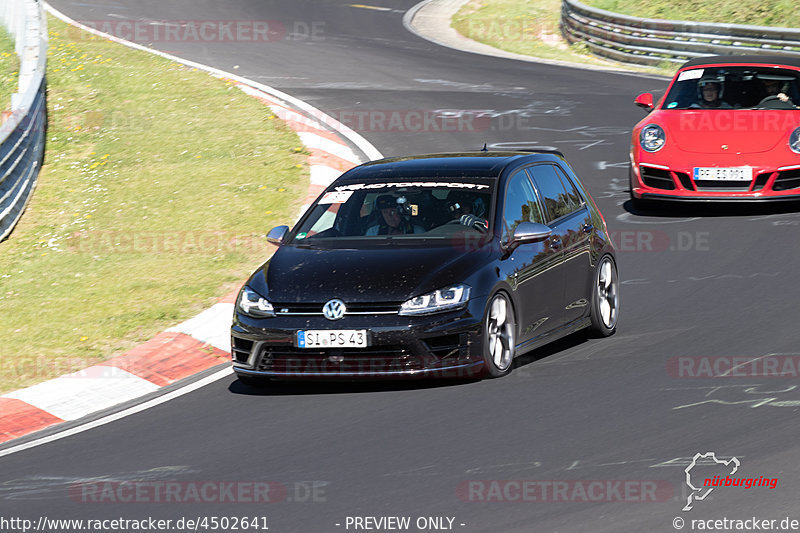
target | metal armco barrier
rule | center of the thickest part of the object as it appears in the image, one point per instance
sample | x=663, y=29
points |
x=654, y=41
x=22, y=135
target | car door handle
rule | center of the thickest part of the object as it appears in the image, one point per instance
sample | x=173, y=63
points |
x=587, y=228
x=555, y=242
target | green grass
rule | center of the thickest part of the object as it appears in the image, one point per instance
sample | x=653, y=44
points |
x=9, y=69
x=529, y=27
x=782, y=13
x=159, y=184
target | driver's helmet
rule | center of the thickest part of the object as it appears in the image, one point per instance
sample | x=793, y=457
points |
x=708, y=79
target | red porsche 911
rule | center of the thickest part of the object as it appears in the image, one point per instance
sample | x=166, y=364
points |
x=727, y=129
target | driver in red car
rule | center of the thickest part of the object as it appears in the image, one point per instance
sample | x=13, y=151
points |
x=775, y=89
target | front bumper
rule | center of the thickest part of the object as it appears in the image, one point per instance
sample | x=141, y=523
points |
x=446, y=345
x=674, y=183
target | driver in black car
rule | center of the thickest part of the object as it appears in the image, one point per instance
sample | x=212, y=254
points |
x=461, y=208
x=392, y=220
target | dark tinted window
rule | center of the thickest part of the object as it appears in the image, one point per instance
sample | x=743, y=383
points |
x=557, y=201
x=572, y=191
x=520, y=204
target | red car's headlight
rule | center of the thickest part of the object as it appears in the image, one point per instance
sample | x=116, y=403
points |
x=652, y=138
x=794, y=141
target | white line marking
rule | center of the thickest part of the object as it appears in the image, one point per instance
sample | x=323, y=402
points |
x=122, y=414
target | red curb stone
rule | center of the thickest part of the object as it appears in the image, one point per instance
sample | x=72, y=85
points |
x=19, y=418
x=168, y=357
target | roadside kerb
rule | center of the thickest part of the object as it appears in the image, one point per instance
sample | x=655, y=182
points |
x=203, y=341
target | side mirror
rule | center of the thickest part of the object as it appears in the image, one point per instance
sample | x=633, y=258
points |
x=645, y=101
x=276, y=234
x=530, y=232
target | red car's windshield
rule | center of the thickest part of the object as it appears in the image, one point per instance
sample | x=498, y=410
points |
x=735, y=87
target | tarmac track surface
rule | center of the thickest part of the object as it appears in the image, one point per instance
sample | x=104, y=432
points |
x=712, y=282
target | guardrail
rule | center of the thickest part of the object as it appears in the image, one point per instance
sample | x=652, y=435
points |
x=655, y=41
x=22, y=134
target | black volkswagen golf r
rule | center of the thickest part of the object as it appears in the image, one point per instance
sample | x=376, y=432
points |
x=443, y=265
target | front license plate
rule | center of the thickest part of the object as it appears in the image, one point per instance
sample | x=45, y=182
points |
x=723, y=173
x=332, y=338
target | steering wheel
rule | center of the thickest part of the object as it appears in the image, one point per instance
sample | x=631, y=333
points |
x=775, y=102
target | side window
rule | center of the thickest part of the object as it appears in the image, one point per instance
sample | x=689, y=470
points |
x=556, y=199
x=572, y=191
x=520, y=204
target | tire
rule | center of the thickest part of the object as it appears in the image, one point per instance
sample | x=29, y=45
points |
x=499, y=336
x=605, y=298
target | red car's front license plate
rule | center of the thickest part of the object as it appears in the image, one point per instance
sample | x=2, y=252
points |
x=723, y=173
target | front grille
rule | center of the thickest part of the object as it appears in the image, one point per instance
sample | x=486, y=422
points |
x=365, y=361
x=686, y=181
x=657, y=178
x=240, y=351
x=787, y=179
x=447, y=345
x=352, y=308
x=761, y=180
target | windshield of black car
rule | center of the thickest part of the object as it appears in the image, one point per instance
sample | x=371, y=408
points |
x=403, y=209
x=734, y=87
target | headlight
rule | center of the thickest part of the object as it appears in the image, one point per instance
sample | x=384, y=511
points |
x=652, y=138
x=448, y=299
x=253, y=304
x=794, y=141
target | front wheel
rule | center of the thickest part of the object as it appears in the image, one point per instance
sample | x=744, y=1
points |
x=499, y=336
x=605, y=297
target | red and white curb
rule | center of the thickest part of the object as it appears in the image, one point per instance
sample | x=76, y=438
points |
x=203, y=341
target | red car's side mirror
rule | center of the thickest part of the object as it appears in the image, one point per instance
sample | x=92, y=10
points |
x=645, y=101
